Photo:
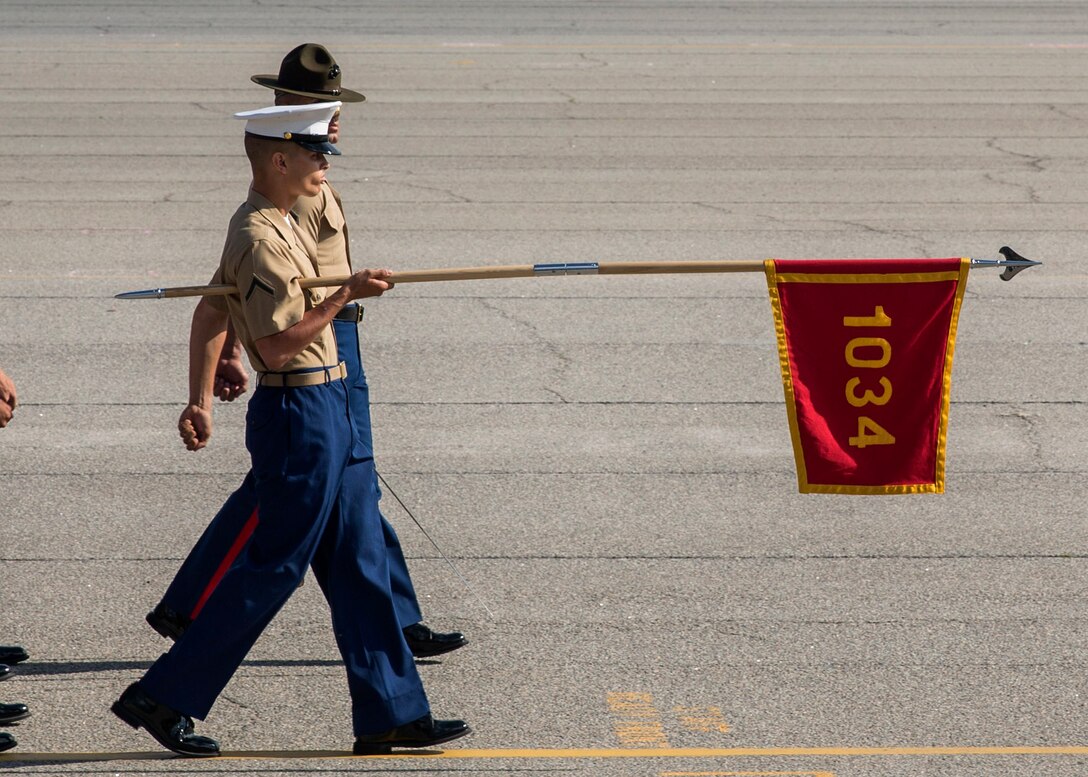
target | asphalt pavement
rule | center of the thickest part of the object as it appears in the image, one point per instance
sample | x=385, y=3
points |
x=603, y=463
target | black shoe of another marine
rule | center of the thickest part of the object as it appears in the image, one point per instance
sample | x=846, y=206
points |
x=5, y=671
x=12, y=654
x=167, y=622
x=9, y=713
x=424, y=732
x=170, y=728
x=423, y=642
x=7, y=741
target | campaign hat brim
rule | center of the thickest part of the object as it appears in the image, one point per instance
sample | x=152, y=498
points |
x=344, y=95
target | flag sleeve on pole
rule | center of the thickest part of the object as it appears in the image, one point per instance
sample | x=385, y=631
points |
x=865, y=348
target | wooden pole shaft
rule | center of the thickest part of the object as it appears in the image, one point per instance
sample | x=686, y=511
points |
x=646, y=268
x=538, y=270
x=197, y=291
x=480, y=273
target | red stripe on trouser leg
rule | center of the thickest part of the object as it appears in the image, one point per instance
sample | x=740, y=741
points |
x=239, y=543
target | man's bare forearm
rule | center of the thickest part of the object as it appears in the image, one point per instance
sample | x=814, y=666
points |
x=232, y=346
x=278, y=349
x=207, y=337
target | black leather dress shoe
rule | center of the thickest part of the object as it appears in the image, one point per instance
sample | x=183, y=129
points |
x=9, y=713
x=5, y=672
x=170, y=729
x=425, y=643
x=167, y=622
x=424, y=732
x=12, y=654
x=7, y=741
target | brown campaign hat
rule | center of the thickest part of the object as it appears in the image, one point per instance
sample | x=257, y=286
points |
x=309, y=70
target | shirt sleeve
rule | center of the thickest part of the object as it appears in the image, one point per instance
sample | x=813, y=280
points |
x=268, y=283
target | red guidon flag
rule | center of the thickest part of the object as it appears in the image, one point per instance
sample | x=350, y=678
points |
x=866, y=348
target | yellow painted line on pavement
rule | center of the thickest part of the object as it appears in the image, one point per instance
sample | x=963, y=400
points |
x=746, y=774
x=761, y=752
x=580, y=753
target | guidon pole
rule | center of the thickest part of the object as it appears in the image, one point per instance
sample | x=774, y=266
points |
x=1012, y=263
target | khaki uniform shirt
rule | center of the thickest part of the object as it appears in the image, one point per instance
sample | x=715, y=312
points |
x=265, y=256
x=322, y=218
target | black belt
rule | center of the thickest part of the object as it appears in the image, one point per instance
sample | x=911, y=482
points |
x=351, y=312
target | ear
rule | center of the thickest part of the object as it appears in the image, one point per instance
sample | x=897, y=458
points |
x=279, y=162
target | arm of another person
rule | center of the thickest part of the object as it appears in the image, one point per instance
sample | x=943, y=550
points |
x=278, y=349
x=231, y=375
x=207, y=337
x=8, y=400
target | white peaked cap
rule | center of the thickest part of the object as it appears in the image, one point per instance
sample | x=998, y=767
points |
x=307, y=125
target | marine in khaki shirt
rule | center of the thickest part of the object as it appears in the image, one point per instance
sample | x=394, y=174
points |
x=305, y=475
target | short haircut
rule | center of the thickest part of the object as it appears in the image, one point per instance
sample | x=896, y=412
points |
x=260, y=150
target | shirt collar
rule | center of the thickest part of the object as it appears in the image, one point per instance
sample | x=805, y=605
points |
x=272, y=214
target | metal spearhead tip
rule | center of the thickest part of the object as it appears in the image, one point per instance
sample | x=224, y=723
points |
x=1014, y=263
x=145, y=294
